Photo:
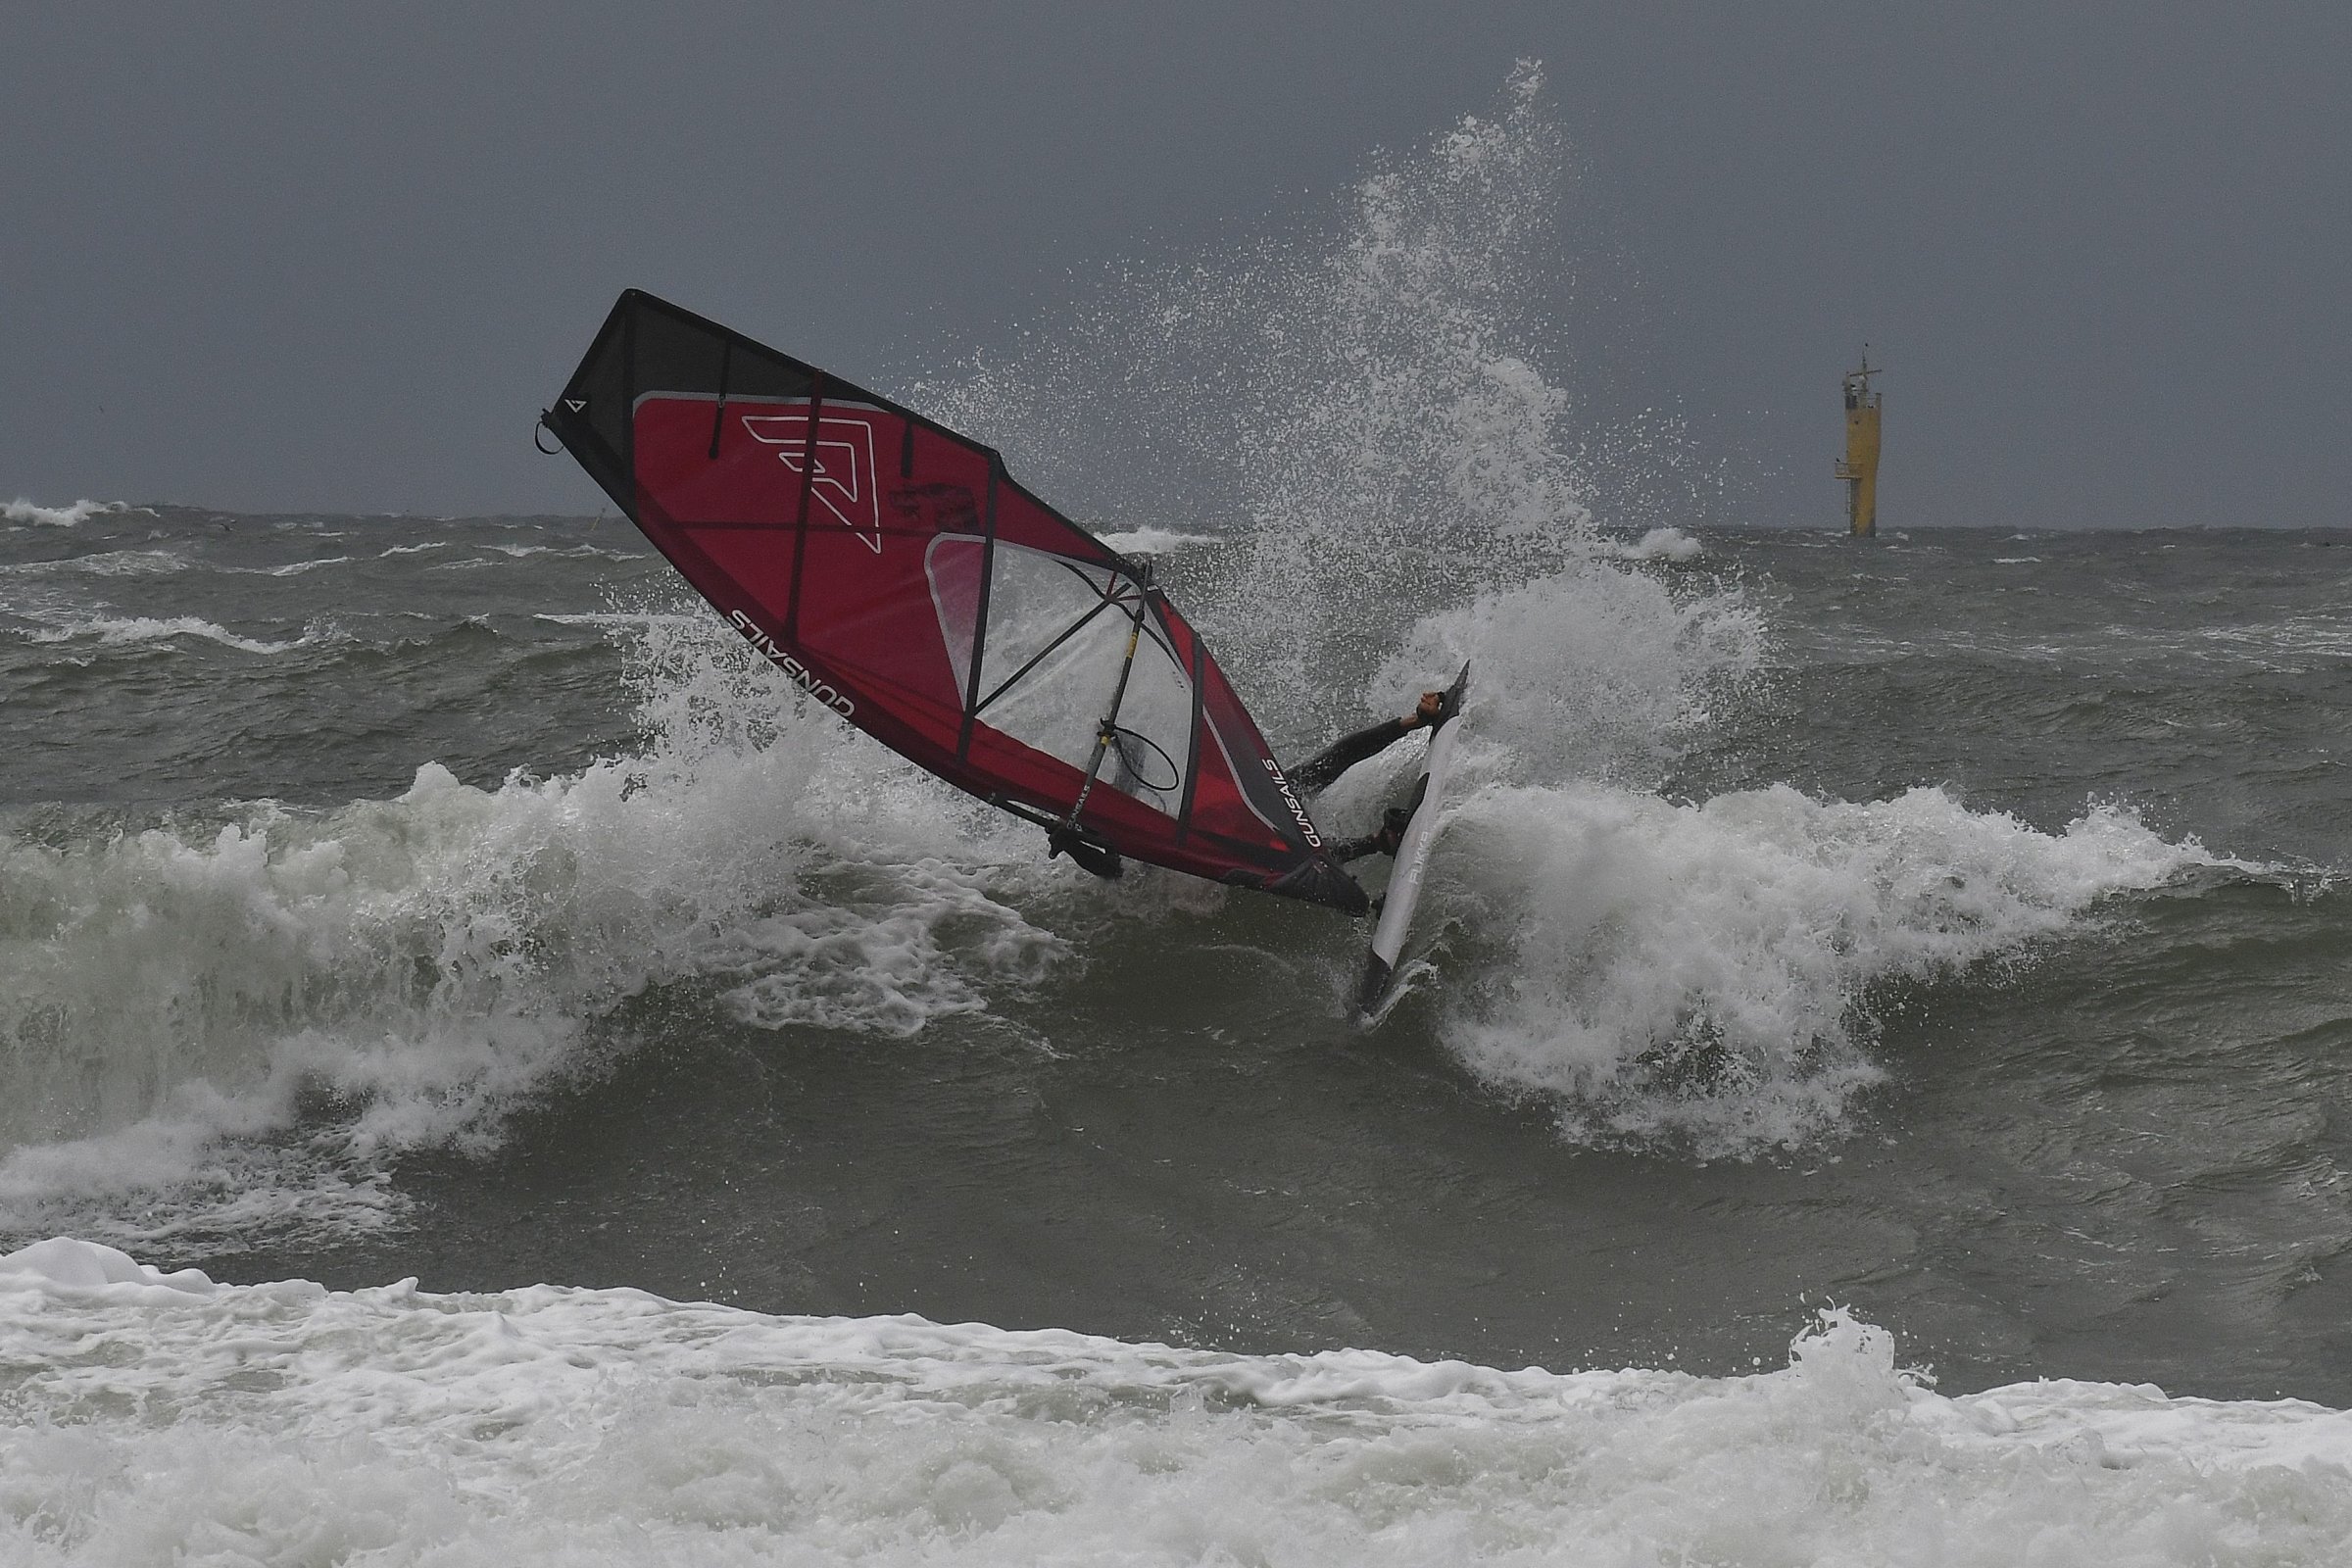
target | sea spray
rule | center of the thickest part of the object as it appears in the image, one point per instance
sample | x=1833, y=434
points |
x=1364, y=414
x=1590, y=672
x=1358, y=405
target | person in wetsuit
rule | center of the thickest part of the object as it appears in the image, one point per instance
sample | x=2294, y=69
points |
x=1323, y=769
x=1311, y=778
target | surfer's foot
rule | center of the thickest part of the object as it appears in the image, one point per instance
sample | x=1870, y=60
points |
x=1099, y=859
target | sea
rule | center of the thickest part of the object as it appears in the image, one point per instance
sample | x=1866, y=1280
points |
x=490, y=1074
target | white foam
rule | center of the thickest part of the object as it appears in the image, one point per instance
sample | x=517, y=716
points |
x=679, y=620
x=118, y=631
x=527, y=552
x=567, y=552
x=166, y=1419
x=1155, y=541
x=65, y=1266
x=73, y=516
x=1659, y=544
x=1703, y=973
x=106, y=563
x=292, y=568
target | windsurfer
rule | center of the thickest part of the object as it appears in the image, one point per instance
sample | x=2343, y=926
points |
x=893, y=567
x=1311, y=777
x=1321, y=770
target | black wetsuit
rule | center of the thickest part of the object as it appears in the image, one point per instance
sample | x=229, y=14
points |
x=1311, y=777
x=1319, y=772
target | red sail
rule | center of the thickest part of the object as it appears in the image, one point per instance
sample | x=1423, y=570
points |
x=895, y=570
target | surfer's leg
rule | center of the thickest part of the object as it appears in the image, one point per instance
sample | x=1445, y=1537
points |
x=1099, y=859
x=1393, y=823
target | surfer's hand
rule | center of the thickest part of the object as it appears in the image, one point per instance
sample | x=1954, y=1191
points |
x=1427, y=711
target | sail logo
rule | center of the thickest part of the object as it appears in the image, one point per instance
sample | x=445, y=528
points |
x=1306, y=828
x=800, y=673
x=844, y=480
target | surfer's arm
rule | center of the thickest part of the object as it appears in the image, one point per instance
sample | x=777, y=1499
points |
x=1318, y=771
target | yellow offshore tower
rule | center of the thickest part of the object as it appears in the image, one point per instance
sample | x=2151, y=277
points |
x=1859, y=467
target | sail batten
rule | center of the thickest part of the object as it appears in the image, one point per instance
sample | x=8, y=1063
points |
x=894, y=569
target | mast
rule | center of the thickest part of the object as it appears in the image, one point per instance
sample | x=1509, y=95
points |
x=1859, y=467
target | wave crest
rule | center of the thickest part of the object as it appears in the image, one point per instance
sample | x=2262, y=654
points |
x=68, y=516
x=1700, y=975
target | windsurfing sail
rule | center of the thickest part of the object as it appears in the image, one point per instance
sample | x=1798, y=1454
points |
x=897, y=572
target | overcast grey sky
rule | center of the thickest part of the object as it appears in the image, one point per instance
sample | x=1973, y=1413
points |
x=280, y=257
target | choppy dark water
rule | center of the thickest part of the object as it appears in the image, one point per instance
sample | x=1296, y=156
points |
x=1969, y=948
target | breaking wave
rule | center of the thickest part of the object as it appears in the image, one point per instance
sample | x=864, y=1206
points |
x=73, y=516
x=114, y=631
x=107, y=564
x=207, y=1026
x=1659, y=544
x=399, y=1426
x=1699, y=975
x=292, y=568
